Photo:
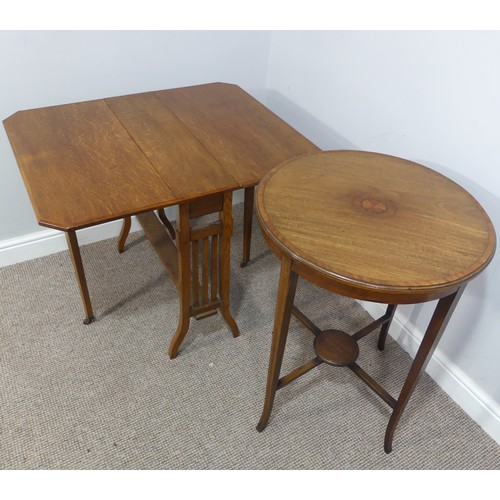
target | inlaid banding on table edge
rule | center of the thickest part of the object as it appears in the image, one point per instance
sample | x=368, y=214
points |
x=370, y=227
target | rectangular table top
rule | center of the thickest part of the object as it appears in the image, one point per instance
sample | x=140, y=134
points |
x=91, y=162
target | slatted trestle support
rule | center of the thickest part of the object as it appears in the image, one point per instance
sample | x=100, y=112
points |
x=198, y=261
x=205, y=264
x=340, y=349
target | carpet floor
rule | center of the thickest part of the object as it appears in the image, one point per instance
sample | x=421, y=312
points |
x=106, y=395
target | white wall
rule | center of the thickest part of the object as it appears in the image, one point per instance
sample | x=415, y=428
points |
x=431, y=97
x=42, y=68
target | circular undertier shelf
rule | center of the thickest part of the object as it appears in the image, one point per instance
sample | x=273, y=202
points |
x=336, y=348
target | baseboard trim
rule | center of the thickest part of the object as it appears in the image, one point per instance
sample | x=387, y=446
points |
x=49, y=241
x=459, y=386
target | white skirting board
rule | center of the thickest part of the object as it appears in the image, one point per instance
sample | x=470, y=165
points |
x=49, y=241
x=461, y=388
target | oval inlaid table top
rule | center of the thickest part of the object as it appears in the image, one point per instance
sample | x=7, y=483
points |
x=373, y=226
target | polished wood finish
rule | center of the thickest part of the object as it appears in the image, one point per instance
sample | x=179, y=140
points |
x=435, y=330
x=232, y=137
x=81, y=167
x=162, y=244
x=245, y=137
x=176, y=153
x=386, y=320
x=336, y=348
x=373, y=384
x=122, y=238
x=226, y=216
x=371, y=227
x=215, y=266
x=163, y=217
x=432, y=236
x=203, y=253
x=247, y=224
x=92, y=162
x=383, y=321
x=298, y=372
x=76, y=259
x=286, y=293
x=184, y=260
x=127, y=223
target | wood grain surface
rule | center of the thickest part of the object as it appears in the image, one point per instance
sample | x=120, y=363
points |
x=369, y=223
x=91, y=162
x=81, y=167
x=182, y=161
x=245, y=137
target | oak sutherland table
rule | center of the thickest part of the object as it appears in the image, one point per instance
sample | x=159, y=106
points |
x=372, y=227
x=92, y=162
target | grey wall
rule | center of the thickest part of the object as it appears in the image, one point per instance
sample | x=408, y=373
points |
x=43, y=68
x=431, y=97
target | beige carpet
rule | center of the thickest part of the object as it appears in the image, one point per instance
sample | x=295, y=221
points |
x=106, y=396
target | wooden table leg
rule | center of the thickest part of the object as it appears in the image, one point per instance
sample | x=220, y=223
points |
x=127, y=222
x=183, y=261
x=225, y=258
x=247, y=224
x=76, y=258
x=163, y=217
x=284, y=302
x=435, y=329
x=391, y=309
x=184, y=283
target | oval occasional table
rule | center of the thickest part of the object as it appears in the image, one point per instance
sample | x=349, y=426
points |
x=372, y=227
